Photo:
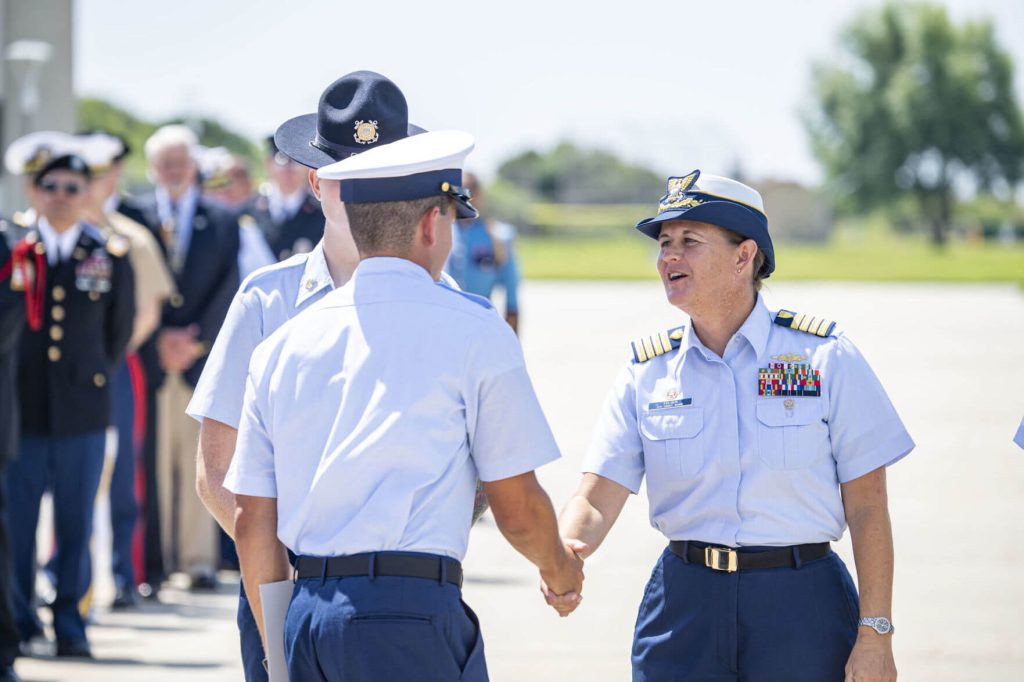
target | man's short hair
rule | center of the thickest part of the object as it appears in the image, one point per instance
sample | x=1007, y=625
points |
x=389, y=226
x=165, y=137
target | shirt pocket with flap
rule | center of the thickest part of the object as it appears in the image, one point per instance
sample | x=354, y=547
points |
x=673, y=441
x=791, y=437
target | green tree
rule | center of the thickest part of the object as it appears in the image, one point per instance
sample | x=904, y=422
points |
x=98, y=114
x=918, y=106
x=568, y=174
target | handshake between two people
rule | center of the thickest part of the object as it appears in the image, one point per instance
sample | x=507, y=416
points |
x=562, y=584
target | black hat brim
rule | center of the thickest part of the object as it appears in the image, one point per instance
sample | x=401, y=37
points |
x=294, y=138
x=726, y=214
x=464, y=209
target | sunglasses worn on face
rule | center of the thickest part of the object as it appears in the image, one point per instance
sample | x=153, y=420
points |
x=51, y=187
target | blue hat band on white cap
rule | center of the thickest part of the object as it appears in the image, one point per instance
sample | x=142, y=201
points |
x=402, y=188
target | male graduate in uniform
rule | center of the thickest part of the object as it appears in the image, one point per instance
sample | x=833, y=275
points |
x=273, y=295
x=366, y=422
x=79, y=307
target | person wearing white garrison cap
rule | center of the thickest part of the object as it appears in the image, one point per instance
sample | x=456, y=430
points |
x=761, y=434
x=366, y=422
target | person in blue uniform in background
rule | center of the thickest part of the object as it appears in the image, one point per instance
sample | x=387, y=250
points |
x=483, y=255
x=762, y=435
x=79, y=310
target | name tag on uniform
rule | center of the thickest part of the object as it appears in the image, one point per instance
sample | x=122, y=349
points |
x=668, y=404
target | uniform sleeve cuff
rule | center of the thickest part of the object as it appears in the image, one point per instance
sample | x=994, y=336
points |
x=627, y=478
x=498, y=471
x=201, y=411
x=886, y=454
x=254, y=486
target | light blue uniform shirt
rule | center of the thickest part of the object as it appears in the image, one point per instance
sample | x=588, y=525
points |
x=1019, y=438
x=266, y=300
x=360, y=416
x=727, y=466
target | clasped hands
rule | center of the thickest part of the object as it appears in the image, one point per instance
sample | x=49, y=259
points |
x=562, y=585
x=178, y=348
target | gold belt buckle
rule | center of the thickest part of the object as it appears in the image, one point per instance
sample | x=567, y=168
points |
x=721, y=559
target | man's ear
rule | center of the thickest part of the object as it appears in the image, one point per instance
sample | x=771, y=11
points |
x=314, y=183
x=429, y=225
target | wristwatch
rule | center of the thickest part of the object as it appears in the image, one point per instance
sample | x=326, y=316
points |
x=881, y=625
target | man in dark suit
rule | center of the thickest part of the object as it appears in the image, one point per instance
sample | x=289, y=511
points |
x=78, y=288
x=201, y=242
x=12, y=315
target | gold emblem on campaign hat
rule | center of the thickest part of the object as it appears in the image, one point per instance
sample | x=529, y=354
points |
x=366, y=132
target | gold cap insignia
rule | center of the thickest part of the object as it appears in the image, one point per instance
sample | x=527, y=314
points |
x=678, y=188
x=366, y=132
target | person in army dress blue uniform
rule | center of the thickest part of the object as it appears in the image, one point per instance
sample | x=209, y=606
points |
x=79, y=308
x=12, y=318
x=285, y=210
x=762, y=435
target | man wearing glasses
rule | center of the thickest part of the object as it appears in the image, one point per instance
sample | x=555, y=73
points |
x=79, y=307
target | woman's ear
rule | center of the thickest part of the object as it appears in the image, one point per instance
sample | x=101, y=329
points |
x=745, y=253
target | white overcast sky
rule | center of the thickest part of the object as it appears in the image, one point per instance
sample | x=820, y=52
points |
x=675, y=85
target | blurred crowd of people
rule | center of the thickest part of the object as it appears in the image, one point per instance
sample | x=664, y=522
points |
x=109, y=305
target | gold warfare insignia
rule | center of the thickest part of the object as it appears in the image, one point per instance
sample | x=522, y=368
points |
x=678, y=188
x=819, y=326
x=789, y=357
x=366, y=132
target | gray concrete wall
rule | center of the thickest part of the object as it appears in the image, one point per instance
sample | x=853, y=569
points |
x=50, y=21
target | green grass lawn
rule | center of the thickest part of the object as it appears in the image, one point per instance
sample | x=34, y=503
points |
x=850, y=256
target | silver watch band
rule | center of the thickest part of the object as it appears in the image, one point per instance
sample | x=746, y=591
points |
x=880, y=624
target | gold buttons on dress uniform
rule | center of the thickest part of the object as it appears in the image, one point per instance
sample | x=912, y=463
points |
x=99, y=380
x=56, y=332
x=59, y=293
x=177, y=300
x=94, y=295
x=57, y=312
x=53, y=353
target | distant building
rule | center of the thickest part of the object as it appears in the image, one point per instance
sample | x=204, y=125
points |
x=796, y=212
x=36, y=90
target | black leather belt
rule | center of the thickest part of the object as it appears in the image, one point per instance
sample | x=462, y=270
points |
x=441, y=569
x=730, y=560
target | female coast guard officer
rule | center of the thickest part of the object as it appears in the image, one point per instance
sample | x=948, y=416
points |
x=762, y=435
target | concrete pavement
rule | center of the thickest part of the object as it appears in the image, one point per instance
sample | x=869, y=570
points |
x=952, y=359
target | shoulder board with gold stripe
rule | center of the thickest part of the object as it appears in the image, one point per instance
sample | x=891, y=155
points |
x=802, y=322
x=647, y=347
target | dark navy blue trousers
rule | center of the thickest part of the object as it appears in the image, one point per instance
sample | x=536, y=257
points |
x=70, y=467
x=363, y=629
x=777, y=624
x=124, y=507
x=252, y=644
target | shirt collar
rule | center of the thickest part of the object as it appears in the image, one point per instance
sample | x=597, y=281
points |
x=389, y=265
x=754, y=329
x=58, y=246
x=315, y=275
